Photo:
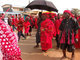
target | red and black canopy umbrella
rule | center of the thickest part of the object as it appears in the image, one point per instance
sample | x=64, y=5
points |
x=42, y=5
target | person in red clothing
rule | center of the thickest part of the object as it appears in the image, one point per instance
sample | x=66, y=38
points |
x=36, y=26
x=13, y=23
x=76, y=16
x=46, y=33
x=20, y=29
x=16, y=20
x=57, y=24
x=79, y=32
x=77, y=45
x=31, y=24
x=9, y=43
x=20, y=17
x=52, y=17
x=68, y=30
x=26, y=26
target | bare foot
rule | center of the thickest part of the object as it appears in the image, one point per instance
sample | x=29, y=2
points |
x=63, y=57
x=57, y=48
x=72, y=58
x=24, y=39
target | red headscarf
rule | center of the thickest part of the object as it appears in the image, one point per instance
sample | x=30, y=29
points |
x=69, y=12
x=12, y=16
x=46, y=14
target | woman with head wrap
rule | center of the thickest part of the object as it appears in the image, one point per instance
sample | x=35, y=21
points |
x=68, y=29
x=46, y=33
x=26, y=25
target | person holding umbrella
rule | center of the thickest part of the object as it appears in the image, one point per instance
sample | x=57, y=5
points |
x=39, y=20
x=68, y=30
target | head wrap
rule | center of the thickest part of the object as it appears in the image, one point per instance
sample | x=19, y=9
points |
x=68, y=11
x=46, y=14
x=12, y=16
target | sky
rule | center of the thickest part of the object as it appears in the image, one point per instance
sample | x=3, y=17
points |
x=61, y=5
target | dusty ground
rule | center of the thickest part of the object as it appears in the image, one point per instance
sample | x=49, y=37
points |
x=31, y=53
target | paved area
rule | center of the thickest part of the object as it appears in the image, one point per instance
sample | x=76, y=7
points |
x=30, y=53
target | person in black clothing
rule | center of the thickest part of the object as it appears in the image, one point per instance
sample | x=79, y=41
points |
x=38, y=30
x=68, y=29
x=9, y=20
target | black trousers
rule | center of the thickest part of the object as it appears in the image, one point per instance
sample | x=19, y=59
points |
x=20, y=34
x=57, y=40
x=37, y=37
x=14, y=27
x=30, y=29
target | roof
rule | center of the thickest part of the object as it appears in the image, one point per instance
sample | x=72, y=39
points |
x=14, y=6
x=7, y=5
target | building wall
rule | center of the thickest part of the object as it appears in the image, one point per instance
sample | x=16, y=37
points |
x=18, y=9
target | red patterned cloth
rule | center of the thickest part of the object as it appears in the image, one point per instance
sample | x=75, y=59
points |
x=36, y=23
x=13, y=21
x=20, y=24
x=57, y=24
x=27, y=26
x=47, y=32
x=9, y=43
x=77, y=45
x=16, y=21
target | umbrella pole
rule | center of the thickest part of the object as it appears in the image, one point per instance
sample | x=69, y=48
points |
x=41, y=10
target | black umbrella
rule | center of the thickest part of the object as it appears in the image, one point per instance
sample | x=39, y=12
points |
x=43, y=5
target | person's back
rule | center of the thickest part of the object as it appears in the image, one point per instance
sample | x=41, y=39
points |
x=9, y=42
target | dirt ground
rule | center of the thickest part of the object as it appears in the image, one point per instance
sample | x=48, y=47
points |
x=30, y=53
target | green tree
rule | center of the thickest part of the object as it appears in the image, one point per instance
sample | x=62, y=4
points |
x=75, y=11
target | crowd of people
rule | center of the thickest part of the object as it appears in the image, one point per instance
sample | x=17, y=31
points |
x=65, y=28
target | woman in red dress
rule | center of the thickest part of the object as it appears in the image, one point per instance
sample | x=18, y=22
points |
x=46, y=33
x=26, y=26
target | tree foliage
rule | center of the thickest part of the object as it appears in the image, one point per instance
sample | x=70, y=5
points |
x=75, y=11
